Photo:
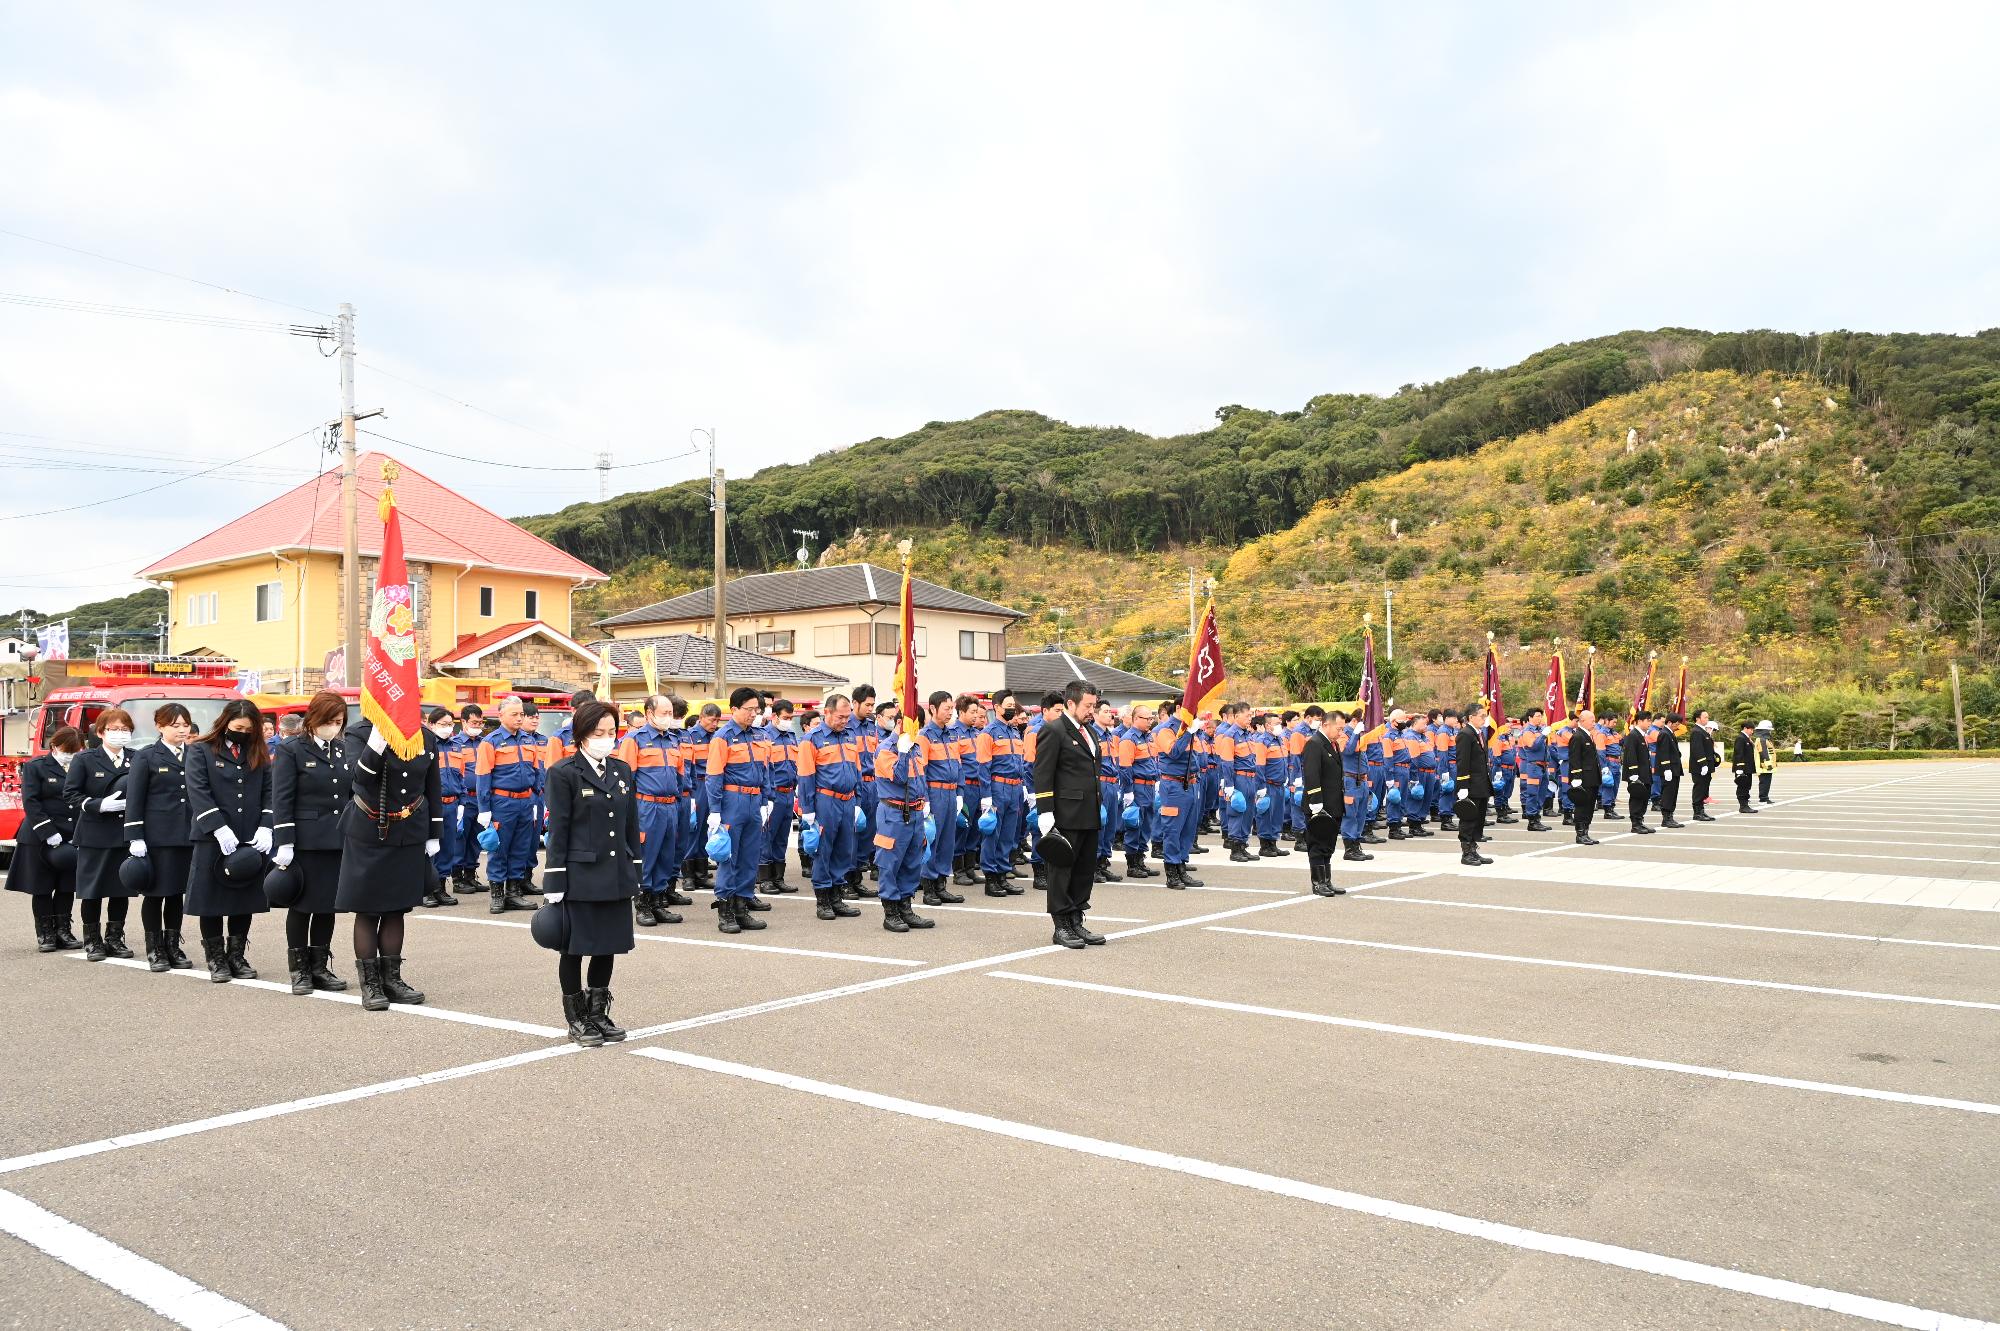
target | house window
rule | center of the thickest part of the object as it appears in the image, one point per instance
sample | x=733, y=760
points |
x=203, y=608
x=486, y=603
x=885, y=639
x=976, y=646
x=531, y=604
x=270, y=601
x=840, y=640
x=770, y=644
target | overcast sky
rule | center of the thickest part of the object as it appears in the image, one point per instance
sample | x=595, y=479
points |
x=808, y=224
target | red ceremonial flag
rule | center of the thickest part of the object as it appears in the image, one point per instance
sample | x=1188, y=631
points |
x=389, y=696
x=1489, y=689
x=1555, y=695
x=1642, y=698
x=1371, y=687
x=1586, y=692
x=1681, y=690
x=1205, y=673
x=905, y=680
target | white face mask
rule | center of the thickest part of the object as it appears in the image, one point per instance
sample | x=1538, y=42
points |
x=442, y=731
x=63, y=759
x=598, y=747
x=785, y=723
x=117, y=739
x=327, y=731
x=662, y=722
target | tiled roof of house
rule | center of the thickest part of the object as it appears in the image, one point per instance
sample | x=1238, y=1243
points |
x=685, y=656
x=808, y=589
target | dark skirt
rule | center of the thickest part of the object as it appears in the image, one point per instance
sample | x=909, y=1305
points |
x=378, y=880
x=172, y=867
x=209, y=893
x=97, y=873
x=599, y=928
x=320, y=869
x=31, y=871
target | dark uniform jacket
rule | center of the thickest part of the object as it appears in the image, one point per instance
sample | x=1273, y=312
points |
x=1702, y=758
x=406, y=789
x=224, y=791
x=156, y=805
x=1743, y=758
x=1066, y=776
x=1319, y=772
x=1586, y=766
x=45, y=810
x=1475, y=775
x=1636, y=758
x=593, y=831
x=90, y=778
x=308, y=791
x=1667, y=755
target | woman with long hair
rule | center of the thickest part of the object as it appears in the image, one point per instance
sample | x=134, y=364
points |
x=228, y=781
x=157, y=831
x=95, y=785
x=48, y=826
x=309, y=775
x=592, y=870
x=390, y=831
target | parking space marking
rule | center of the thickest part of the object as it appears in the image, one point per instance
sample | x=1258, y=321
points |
x=1616, y=970
x=702, y=942
x=1695, y=924
x=171, y=1295
x=1513, y=1046
x=354, y=1000
x=1513, y=1236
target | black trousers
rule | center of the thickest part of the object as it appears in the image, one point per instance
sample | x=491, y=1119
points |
x=1321, y=833
x=1764, y=787
x=1670, y=797
x=1069, y=889
x=1471, y=821
x=1582, y=812
x=1636, y=801
x=1742, y=789
x=1701, y=780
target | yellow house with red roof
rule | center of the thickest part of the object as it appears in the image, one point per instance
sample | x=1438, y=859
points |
x=265, y=589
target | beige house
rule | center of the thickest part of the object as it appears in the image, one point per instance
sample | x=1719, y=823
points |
x=842, y=621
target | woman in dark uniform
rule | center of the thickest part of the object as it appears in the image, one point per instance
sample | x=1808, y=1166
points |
x=390, y=831
x=308, y=789
x=48, y=820
x=95, y=785
x=592, y=868
x=228, y=781
x=156, y=826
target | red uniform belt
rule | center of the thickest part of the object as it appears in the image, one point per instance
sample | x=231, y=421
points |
x=1007, y=780
x=744, y=790
x=837, y=794
x=944, y=785
x=659, y=799
x=447, y=799
x=907, y=804
x=1145, y=781
x=515, y=794
x=401, y=813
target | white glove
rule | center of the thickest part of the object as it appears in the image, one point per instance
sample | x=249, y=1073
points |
x=112, y=803
x=137, y=850
x=283, y=859
x=485, y=817
x=261, y=839
x=1315, y=810
x=714, y=823
x=55, y=838
x=1128, y=799
x=430, y=848
x=227, y=840
x=1045, y=823
x=904, y=743
x=1574, y=782
x=553, y=897
x=378, y=741
x=808, y=818
x=1226, y=791
x=764, y=815
x=986, y=806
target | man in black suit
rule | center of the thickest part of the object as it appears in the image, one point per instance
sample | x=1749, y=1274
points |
x=1743, y=763
x=1475, y=785
x=1636, y=751
x=1066, y=803
x=1320, y=779
x=1667, y=762
x=1702, y=762
x=1586, y=772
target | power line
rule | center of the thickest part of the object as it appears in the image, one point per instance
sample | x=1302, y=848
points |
x=223, y=321
x=521, y=466
x=134, y=494
x=161, y=272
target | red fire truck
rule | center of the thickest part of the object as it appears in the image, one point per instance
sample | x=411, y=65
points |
x=140, y=685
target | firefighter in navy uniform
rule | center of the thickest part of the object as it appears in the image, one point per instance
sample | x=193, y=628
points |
x=1635, y=763
x=229, y=796
x=781, y=740
x=1702, y=762
x=94, y=786
x=48, y=824
x=156, y=824
x=309, y=777
x=1585, y=774
x=652, y=750
x=1322, y=778
x=594, y=855
x=1667, y=769
x=390, y=829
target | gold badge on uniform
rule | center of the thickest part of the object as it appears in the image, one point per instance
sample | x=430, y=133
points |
x=588, y=792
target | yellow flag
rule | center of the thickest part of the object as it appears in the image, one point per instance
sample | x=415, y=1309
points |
x=604, y=675
x=649, y=661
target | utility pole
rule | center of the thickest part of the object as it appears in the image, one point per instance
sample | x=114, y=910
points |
x=1389, y=618
x=104, y=640
x=160, y=632
x=350, y=563
x=718, y=504
x=1957, y=707
x=603, y=477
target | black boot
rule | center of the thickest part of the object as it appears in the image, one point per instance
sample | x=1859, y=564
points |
x=156, y=952
x=498, y=899
x=778, y=883
x=445, y=898
x=1396, y=832
x=45, y=936
x=865, y=889
x=1702, y=817
x=1447, y=824
x=661, y=914
x=841, y=910
x=1585, y=839
x=600, y=1015
x=825, y=900
x=996, y=884
x=1569, y=819
x=673, y=896
x=512, y=898
x=374, y=998
x=322, y=974
x=1640, y=829
x=239, y=967
x=1671, y=821
x=177, y=956
x=1065, y=932
x=945, y=896
x=392, y=982
x=1188, y=879
x=642, y=909
x=298, y=961
x=66, y=939
x=1469, y=854
x=1239, y=853
x=1111, y=875
x=746, y=912
x=576, y=1011
x=963, y=877
x=1269, y=849
x=1368, y=838
x=1084, y=931
x=1135, y=865
x=1354, y=851
x=1174, y=872
x=1041, y=877
x=215, y=950
x=434, y=894
x=1535, y=823
x=1743, y=806
x=892, y=918
x=1322, y=880
x=911, y=918
x=725, y=915
x=114, y=943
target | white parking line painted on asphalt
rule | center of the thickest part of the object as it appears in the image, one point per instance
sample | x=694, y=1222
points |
x=1615, y=970
x=1513, y=1236
x=1693, y=924
x=699, y=942
x=1515, y=1046
x=171, y=1295
x=865, y=902
x=354, y=1000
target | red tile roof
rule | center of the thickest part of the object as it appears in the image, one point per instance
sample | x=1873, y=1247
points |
x=440, y=526
x=469, y=648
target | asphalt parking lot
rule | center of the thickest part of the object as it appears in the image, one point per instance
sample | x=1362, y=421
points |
x=1742, y=1074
